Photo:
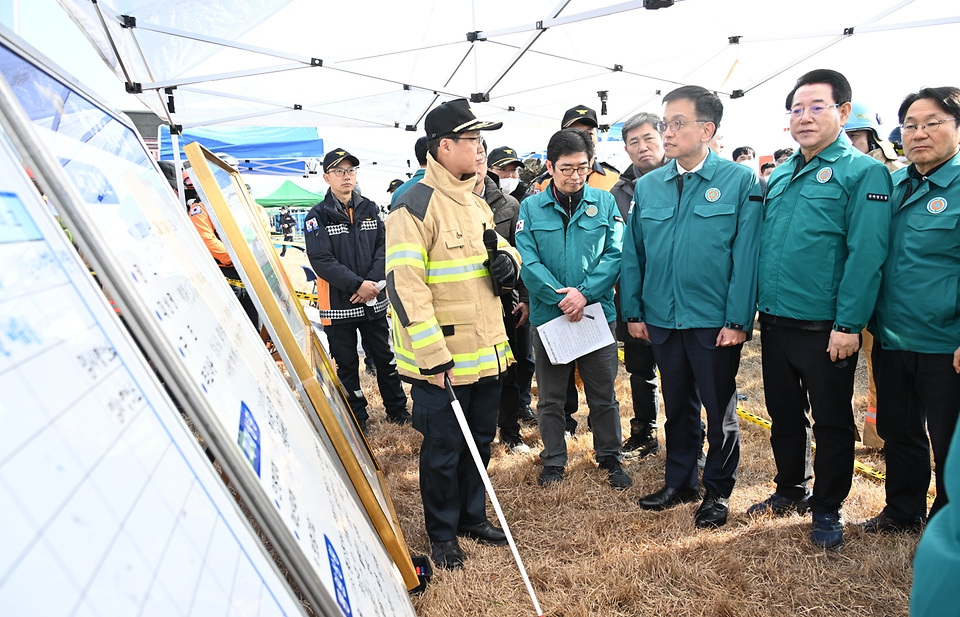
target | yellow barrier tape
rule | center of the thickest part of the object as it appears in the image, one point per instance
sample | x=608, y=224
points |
x=300, y=294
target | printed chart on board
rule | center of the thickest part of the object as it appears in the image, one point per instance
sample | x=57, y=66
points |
x=170, y=271
x=107, y=504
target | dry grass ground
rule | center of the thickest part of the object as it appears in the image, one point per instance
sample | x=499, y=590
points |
x=591, y=551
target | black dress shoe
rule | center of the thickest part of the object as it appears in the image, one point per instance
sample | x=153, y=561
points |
x=882, y=523
x=447, y=555
x=668, y=497
x=713, y=511
x=484, y=533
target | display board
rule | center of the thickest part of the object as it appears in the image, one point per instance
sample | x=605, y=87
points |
x=174, y=299
x=108, y=506
x=248, y=243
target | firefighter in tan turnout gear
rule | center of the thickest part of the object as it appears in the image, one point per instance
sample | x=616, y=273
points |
x=447, y=321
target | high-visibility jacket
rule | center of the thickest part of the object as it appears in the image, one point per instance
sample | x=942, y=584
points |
x=445, y=314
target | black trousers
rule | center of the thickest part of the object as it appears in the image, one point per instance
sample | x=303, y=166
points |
x=526, y=364
x=508, y=417
x=343, y=348
x=799, y=380
x=915, y=393
x=639, y=360
x=695, y=372
x=450, y=484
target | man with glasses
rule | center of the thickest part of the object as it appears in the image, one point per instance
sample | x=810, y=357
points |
x=644, y=145
x=825, y=231
x=447, y=322
x=344, y=237
x=688, y=279
x=570, y=238
x=917, y=324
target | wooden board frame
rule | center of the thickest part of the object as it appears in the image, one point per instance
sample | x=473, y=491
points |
x=251, y=249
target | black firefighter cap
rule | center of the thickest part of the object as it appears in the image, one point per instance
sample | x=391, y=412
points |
x=335, y=156
x=455, y=117
x=580, y=113
x=503, y=156
x=394, y=185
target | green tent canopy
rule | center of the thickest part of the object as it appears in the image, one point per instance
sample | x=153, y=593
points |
x=291, y=195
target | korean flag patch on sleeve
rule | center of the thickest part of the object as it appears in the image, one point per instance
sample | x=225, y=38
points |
x=195, y=210
x=520, y=225
x=311, y=225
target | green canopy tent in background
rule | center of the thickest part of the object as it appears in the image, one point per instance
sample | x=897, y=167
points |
x=291, y=195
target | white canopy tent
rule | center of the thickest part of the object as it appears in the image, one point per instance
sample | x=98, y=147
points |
x=368, y=71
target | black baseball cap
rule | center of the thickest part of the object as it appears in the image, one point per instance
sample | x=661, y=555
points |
x=580, y=113
x=335, y=156
x=455, y=117
x=394, y=185
x=503, y=155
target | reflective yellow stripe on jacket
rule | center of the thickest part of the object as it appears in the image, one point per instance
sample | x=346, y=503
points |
x=494, y=358
x=452, y=270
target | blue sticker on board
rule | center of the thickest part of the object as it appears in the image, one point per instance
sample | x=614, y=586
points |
x=339, y=581
x=249, y=437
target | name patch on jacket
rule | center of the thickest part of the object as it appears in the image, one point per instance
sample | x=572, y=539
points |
x=339, y=228
x=368, y=225
x=195, y=210
x=877, y=197
x=311, y=225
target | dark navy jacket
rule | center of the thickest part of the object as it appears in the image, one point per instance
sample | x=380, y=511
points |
x=344, y=253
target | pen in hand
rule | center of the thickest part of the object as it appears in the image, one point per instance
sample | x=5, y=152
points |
x=588, y=316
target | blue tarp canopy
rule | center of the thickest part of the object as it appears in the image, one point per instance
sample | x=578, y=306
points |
x=273, y=150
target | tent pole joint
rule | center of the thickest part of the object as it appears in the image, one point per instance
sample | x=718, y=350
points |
x=480, y=97
x=736, y=94
x=297, y=107
x=412, y=128
x=475, y=36
x=133, y=87
x=316, y=62
x=734, y=40
x=129, y=21
x=848, y=31
x=617, y=68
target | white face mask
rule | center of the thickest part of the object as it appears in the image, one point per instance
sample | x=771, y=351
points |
x=508, y=185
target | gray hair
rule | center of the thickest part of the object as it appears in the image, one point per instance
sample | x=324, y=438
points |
x=637, y=121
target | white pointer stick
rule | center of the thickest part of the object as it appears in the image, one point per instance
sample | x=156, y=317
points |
x=472, y=445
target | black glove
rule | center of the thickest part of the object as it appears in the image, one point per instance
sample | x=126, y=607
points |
x=504, y=270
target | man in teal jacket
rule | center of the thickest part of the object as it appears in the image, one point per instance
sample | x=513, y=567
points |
x=689, y=284
x=917, y=322
x=825, y=230
x=569, y=237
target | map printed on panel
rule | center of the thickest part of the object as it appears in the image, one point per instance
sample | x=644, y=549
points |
x=171, y=272
x=107, y=504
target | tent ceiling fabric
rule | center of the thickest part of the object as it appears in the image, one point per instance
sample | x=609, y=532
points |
x=370, y=50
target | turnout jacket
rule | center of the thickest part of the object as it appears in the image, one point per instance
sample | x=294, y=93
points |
x=582, y=253
x=344, y=252
x=690, y=253
x=917, y=308
x=445, y=314
x=824, y=237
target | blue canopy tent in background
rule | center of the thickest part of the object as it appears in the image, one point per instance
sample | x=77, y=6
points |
x=269, y=150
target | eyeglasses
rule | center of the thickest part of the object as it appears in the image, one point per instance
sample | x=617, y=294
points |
x=567, y=172
x=340, y=172
x=797, y=112
x=675, y=125
x=481, y=158
x=475, y=140
x=510, y=171
x=929, y=127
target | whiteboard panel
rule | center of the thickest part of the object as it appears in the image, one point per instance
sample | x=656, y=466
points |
x=170, y=284
x=108, y=506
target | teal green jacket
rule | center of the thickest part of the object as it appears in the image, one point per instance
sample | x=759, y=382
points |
x=936, y=564
x=585, y=255
x=690, y=257
x=825, y=236
x=917, y=309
